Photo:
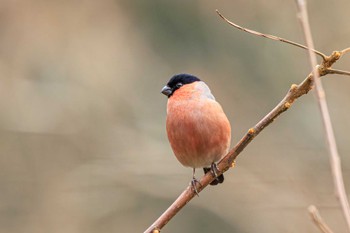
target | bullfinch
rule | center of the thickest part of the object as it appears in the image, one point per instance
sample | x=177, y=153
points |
x=198, y=129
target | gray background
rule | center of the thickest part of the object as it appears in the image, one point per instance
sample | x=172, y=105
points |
x=82, y=128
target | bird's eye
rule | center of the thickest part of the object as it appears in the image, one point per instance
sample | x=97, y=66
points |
x=178, y=85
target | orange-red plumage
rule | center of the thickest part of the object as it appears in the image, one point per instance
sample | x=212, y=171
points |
x=198, y=130
x=197, y=127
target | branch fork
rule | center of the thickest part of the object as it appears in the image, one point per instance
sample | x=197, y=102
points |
x=228, y=161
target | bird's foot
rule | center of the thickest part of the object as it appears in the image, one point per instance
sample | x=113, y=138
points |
x=214, y=170
x=194, y=183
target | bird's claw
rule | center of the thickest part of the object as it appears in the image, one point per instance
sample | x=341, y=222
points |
x=194, y=183
x=214, y=170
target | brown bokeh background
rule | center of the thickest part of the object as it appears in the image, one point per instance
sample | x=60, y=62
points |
x=82, y=140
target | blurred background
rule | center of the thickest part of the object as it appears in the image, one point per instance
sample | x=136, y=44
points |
x=83, y=146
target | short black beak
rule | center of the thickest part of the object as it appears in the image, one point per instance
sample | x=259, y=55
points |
x=167, y=91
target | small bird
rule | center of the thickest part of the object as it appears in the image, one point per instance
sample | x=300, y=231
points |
x=198, y=129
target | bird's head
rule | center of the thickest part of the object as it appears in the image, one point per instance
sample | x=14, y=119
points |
x=176, y=82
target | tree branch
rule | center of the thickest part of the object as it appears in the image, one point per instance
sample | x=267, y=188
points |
x=335, y=71
x=272, y=37
x=316, y=217
x=293, y=94
x=321, y=98
x=347, y=50
x=228, y=161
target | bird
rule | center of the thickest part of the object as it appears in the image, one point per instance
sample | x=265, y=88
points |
x=198, y=130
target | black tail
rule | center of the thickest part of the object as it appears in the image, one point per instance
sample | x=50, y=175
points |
x=218, y=179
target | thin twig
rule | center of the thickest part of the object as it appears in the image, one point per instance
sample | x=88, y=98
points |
x=319, y=222
x=272, y=37
x=345, y=50
x=321, y=97
x=335, y=71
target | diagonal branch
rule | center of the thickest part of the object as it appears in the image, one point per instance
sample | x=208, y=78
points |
x=292, y=95
x=319, y=222
x=272, y=37
x=347, y=50
x=321, y=98
x=228, y=161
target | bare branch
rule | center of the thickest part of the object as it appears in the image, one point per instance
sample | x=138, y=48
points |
x=227, y=162
x=345, y=50
x=321, y=97
x=316, y=217
x=335, y=71
x=272, y=37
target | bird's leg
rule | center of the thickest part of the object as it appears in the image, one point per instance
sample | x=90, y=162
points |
x=194, y=181
x=214, y=170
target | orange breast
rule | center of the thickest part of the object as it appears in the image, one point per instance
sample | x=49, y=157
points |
x=198, y=129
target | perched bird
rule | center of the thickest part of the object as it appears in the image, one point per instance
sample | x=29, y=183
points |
x=198, y=129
